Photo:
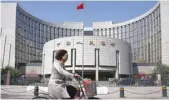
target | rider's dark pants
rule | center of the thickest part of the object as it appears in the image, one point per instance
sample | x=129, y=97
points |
x=71, y=91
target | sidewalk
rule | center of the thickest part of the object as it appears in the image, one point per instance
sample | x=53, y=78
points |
x=20, y=92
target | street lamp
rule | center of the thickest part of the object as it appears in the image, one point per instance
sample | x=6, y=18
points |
x=43, y=61
x=4, y=49
x=130, y=64
x=9, y=54
x=44, y=68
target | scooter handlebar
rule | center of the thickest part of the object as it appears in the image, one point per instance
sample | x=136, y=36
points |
x=78, y=77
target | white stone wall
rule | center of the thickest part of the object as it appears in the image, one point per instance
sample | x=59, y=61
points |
x=8, y=24
x=165, y=31
x=107, y=55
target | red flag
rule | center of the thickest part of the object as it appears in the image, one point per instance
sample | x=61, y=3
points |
x=80, y=6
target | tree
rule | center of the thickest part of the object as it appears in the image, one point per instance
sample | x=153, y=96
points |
x=14, y=73
x=163, y=70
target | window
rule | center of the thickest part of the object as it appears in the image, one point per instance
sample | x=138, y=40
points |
x=73, y=32
x=60, y=32
x=68, y=32
x=127, y=32
x=115, y=32
x=78, y=32
x=101, y=32
x=121, y=32
x=124, y=32
x=118, y=33
x=64, y=32
x=56, y=32
x=52, y=33
x=49, y=33
x=109, y=32
x=97, y=32
x=106, y=32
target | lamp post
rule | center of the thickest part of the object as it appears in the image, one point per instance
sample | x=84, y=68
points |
x=130, y=64
x=9, y=54
x=44, y=68
x=43, y=60
x=4, y=52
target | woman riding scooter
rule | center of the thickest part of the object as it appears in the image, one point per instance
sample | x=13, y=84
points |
x=57, y=86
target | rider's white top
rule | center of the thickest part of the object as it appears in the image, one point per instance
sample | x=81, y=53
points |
x=57, y=83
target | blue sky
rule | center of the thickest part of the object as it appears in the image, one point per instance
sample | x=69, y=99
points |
x=65, y=11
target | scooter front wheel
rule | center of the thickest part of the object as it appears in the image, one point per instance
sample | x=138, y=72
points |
x=39, y=98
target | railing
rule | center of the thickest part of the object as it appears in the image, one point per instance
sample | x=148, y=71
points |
x=113, y=83
x=122, y=91
x=136, y=83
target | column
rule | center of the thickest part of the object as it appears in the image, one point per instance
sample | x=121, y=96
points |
x=73, y=60
x=97, y=64
x=117, y=64
x=8, y=78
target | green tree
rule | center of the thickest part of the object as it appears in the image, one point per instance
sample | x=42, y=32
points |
x=14, y=73
x=163, y=70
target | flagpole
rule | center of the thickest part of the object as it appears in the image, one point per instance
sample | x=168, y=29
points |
x=78, y=8
x=83, y=46
x=83, y=55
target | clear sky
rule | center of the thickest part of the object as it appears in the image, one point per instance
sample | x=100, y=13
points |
x=65, y=11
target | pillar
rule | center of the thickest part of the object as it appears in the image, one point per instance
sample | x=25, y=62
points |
x=8, y=78
x=97, y=64
x=117, y=64
x=73, y=60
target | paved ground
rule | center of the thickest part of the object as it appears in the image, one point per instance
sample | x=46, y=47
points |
x=135, y=93
x=15, y=92
x=141, y=93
